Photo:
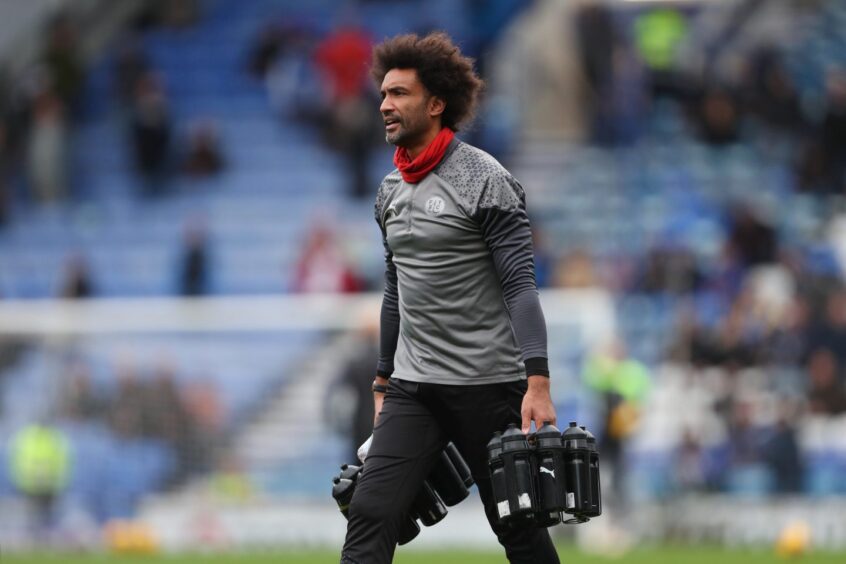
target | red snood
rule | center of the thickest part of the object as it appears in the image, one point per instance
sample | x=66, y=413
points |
x=413, y=171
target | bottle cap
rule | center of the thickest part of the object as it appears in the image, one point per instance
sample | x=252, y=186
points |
x=514, y=439
x=548, y=436
x=574, y=437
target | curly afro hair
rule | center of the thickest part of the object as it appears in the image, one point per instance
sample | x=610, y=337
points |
x=440, y=66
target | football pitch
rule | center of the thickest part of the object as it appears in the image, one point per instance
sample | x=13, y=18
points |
x=658, y=555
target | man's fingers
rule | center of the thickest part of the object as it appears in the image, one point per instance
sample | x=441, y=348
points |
x=527, y=420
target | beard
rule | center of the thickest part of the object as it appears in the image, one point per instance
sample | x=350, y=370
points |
x=409, y=127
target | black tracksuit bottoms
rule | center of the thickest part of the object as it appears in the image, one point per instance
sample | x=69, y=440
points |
x=416, y=422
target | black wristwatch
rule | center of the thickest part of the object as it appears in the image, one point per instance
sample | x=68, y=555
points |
x=380, y=388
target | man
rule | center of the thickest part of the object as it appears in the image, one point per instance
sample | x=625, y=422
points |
x=39, y=465
x=463, y=339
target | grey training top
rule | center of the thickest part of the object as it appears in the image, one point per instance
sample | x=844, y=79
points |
x=461, y=303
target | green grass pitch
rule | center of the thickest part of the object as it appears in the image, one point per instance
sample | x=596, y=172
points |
x=662, y=555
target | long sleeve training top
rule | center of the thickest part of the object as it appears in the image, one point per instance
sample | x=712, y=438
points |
x=461, y=303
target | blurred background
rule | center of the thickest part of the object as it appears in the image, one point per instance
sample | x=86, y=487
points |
x=190, y=273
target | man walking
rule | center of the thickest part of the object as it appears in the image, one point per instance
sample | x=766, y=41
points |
x=463, y=338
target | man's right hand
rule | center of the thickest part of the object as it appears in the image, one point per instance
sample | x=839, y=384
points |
x=378, y=398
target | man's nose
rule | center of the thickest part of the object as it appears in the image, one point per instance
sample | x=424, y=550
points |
x=386, y=105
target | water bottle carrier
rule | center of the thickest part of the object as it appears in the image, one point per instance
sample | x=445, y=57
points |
x=545, y=478
x=447, y=485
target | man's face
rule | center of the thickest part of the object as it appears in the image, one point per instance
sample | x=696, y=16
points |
x=406, y=107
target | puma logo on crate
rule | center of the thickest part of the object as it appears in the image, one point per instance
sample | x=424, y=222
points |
x=548, y=471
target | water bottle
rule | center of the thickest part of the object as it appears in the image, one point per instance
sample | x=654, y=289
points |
x=549, y=455
x=427, y=506
x=343, y=489
x=497, y=470
x=447, y=481
x=350, y=472
x=519, y=476
x=342, y=492
x=577, y=473
x=408, y=530
x=593, y=472
x=459, y=463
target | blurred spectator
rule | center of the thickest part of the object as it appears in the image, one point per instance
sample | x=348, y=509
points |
x=786, y=343
x=811, y=174
x=202, y=402
x=63, y=61
x=658, y=33
x=544, y=262
x=11, y=348
x=151, y=132
x=229, y=482
x=171, y=13
x=827, y=329
x=734, y=347
x=671, y=270
x=622, y=384
x=352, y=394
x=685, y=346
x=615, y=75
x=205, y=156
x=194, y=267
x=180, y=13
x=81, y=401
x=718, y=116
x=323, y=267
x=826, y=395
x=47, y=148
x=5, y=165
x=292, y=77
x=131, y=65
x=267, y=48
x=833, y=132
x=628, y=104
x=772, y=94
x=597, y=38
x=745, y=448
x=166, y=416
x=126, y=410
x=76, y=281
x=40, y=466
x=689, y=464
x=822, y=165
x=752, y=239
x=782, y=452
x=575, y=270
x=344, y=58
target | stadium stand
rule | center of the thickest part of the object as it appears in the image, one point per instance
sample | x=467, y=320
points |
x=668, y=194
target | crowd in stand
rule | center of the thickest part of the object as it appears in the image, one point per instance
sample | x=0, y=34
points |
x=187, y=417
x=627, y=68
x=42, y=106
x=323, y=81
x=763, y=304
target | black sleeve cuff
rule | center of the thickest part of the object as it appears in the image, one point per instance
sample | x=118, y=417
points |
x=384, y=371
x=537, y=366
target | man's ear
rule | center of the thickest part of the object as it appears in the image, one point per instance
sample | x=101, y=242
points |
x=436, y=106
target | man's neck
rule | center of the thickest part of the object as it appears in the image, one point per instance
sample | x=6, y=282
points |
x=425, y=141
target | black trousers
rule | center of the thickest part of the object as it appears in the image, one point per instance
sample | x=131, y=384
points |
x=416, y=422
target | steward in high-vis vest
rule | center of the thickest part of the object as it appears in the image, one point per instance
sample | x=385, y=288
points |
x=39, y=465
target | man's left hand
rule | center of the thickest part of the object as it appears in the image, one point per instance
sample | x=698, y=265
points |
x=537, y=404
